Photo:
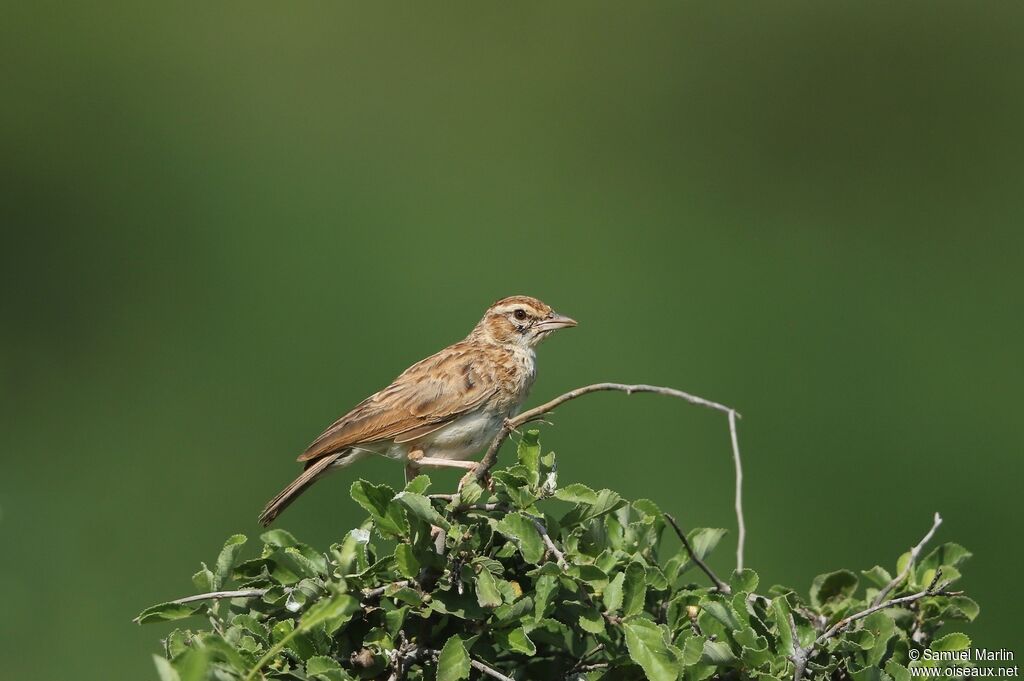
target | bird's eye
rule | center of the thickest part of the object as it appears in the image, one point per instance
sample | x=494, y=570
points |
x=519, y=314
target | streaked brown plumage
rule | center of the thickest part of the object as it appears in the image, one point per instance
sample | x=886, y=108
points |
x=442, y=409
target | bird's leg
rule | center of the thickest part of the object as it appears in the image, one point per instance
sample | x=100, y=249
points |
x=412, y=465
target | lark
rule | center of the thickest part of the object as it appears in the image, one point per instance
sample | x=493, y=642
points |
x=442, y=410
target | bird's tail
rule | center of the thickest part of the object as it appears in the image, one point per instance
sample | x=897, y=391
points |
x=297, y=486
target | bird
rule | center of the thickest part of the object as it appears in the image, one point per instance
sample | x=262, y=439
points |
x=443, y=409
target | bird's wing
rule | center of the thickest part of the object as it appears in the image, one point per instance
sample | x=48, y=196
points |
x=426, y=396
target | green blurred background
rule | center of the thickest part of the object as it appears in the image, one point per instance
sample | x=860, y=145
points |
x=224, y=224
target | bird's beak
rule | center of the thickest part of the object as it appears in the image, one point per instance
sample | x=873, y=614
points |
x=555, y=321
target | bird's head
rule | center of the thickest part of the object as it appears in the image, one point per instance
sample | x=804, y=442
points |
x=520, y=320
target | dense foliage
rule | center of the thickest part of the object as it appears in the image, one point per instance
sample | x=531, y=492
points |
x=536, y=581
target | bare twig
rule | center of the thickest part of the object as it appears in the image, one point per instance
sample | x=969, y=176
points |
x=914, y=553
x=479, y=666
x=719, y=584
x=801, y=654
x=559, y=556
x=491, y=456
x=541, y=529
x=932, y=590
x=217, y=595
x=741, y=530
x=374, y=593
x=494, y=673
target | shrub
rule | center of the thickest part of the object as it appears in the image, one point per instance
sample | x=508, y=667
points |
x=535, y=581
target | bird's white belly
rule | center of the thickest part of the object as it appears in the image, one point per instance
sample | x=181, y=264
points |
x=468, y=435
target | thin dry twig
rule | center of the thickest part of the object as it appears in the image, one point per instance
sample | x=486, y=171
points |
x=479, y=666
x=802, y=654
x=559, y=556
x=719, y=584
x=217, y=595
x=741, y=529
x=491, y=456
x=914, y=553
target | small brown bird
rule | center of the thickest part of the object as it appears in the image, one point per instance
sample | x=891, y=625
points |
x=442, y=409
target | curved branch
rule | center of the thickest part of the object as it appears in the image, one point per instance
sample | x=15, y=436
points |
x=914, y=553
x=491, y=456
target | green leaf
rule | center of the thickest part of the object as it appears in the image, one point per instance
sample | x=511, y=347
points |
x=592, y=621
x=517, y=641
x=204, y=580
x=325, y=668
x=577, y=494
x=721, y=612
x=613, y=593
x=330, y=608
x=962, y=607
x=646, y=643
x=717, y=653
x=833, y=586
x=453, y=663
x=744, y=580
x=877, y=575
x=227, y=558
x=418, y=485
x=897, y=671
x=948, y=554
x=165, y=670
x=523, y=531
x=529, y=455
x=405, y=561
x=953, y=641
x=167, y=612
x=487, y=593
x=377, y=500
x=634, y=589
x=420, y=506
x=192, y=665
x=543, y=588
x=279, y=539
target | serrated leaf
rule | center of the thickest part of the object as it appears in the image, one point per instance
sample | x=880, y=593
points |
x=833, y=586
x=453, y=662
x=377, y=500
x=487, y=593
x=877, y=575
x=634, y=589
x=577, y=493
x=897, y=671
x=721, y=612
x=167, y=612
x=613, y=593
x=227, y=558
x=528, y=452
x=953, y=641
x=330, y=608
x=523, y=531
x=420, y=506
x=405, y=561
x=645, y=641
x=962, y=607
x=517, y=641
x=717, y=653
x=744, y=580
x=164, y=669
x=418, y=485
x=591, y=621
x=325, y=668
x=543, y=588
x=279, y=539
